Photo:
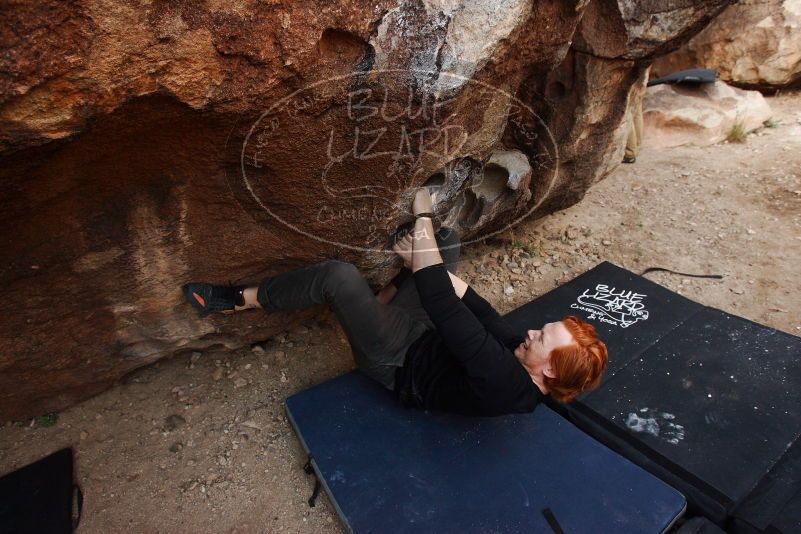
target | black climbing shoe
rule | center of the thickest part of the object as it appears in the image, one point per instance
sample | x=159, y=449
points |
x=207, y=298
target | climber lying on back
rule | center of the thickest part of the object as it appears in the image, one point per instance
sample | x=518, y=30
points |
x=429, y=336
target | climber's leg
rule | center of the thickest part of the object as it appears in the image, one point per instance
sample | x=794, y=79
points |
x=378, y=334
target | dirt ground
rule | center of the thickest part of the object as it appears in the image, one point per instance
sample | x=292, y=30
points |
x=200, y=442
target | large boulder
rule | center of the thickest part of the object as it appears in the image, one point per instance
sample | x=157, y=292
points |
x=585, y=103
x=146, y=145
x=700, y=115
x=754, y=45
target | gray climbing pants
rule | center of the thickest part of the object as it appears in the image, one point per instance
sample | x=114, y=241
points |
x=379, y=334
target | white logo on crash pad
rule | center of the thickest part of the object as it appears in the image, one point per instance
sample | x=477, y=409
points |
x=606, y=304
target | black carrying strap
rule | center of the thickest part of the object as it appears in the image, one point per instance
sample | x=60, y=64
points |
x=77, y=505
x=309, y=469
x=552, y=522
x=663, y=270
x=315, y=493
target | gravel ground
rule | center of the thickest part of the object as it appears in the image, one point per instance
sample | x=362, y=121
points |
x=200, y=443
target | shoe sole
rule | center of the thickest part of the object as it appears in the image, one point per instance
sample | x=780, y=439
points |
x=195, y=300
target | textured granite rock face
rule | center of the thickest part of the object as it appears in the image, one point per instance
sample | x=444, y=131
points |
x=147, y=144
x=755, y=44
x=641, y=30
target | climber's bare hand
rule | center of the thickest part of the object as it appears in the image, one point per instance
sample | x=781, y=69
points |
x=422, y=202
x=403, y=248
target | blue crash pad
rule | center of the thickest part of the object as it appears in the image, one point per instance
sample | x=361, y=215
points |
x=389, y=469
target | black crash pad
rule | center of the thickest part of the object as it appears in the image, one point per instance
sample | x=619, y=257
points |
x=41, y=498
x=629, y=312
x=708, y=401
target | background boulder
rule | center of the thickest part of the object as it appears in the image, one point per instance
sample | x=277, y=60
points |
x=754, y=44
x=700, y=115
x=145, y=145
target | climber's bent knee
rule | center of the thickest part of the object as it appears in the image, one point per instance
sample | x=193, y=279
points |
x=341, y=271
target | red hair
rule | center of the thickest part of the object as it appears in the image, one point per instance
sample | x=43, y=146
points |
x=578, y=367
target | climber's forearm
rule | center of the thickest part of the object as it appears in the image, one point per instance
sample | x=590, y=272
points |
x=425, y=251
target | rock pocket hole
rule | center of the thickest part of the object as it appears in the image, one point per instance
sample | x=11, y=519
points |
x=555, y=90
x=435, y=180
x=469, y=209
x=340, y=44
x=492, y=183
x=434, y=184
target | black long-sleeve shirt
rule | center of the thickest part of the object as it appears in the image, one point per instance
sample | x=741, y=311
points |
x=465, y=365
